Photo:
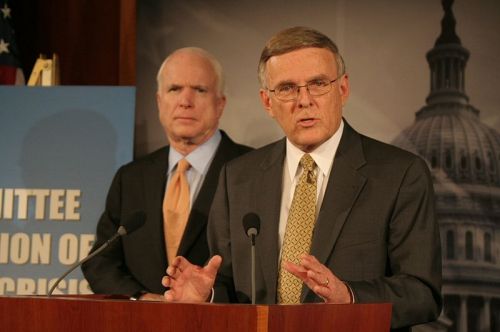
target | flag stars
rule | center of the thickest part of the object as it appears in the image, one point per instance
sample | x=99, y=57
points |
x=4, y=47
x=6, y=11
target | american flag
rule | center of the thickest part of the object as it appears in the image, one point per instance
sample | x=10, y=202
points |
x=10, y=67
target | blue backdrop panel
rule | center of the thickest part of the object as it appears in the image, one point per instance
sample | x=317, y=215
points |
x=59, y=149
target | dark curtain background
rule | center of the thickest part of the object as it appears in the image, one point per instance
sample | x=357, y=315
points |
x=94, y=39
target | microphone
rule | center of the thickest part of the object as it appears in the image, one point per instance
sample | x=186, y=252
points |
x=133, y=222
x=251, y=224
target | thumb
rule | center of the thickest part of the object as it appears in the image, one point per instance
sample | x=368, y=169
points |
x=213, y=265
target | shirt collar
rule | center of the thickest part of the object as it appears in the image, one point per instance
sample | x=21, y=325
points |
x=199, y=158
x=323, y=155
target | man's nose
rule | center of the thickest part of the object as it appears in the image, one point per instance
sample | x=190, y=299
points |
x=186, y=98
x=304, y=98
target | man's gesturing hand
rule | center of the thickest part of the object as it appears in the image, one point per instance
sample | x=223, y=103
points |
x=188, y=282
x=320, y=279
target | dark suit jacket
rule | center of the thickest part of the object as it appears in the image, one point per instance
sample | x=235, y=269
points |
x=376, y=228
x=138, y=261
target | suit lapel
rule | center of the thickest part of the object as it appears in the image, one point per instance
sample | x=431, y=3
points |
x=155, y=179
x=344, y=185
x=268, y=202
x=198, y=216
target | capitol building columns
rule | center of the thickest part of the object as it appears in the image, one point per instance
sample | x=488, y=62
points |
x=485, y=317
x=462, y=322
x=463, y=155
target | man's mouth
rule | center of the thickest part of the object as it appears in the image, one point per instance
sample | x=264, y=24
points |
x=307, y=122
x=185, y=118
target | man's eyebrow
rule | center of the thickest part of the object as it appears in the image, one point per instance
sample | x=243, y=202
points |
x=313, y=78
x=199, y=86
x=318, y=77
x=286, y=82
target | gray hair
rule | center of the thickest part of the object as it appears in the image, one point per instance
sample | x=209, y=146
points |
x=219, y=74
x=295, y=38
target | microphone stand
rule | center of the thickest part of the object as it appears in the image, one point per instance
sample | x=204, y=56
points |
x=120, y=232
x=253, y=268
x=251, y=225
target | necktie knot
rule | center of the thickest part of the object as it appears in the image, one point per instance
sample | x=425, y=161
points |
x=183, y=165
x=307, y=163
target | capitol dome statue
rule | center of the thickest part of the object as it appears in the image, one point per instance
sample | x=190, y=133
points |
x=464, y=157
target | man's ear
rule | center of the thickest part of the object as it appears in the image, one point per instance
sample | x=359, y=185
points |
x=158, y=100
x=221, y=104
x=266, y=101
x=344, y=89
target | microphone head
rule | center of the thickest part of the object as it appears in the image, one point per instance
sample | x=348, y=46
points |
x=132, y=222
x=251, y=224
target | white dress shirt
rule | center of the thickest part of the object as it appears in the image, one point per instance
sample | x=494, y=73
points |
x=323, y=157
x=199, y=159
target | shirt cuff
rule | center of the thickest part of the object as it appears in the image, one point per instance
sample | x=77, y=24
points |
x=212, y=296
x=351, y=293
x=137, y=295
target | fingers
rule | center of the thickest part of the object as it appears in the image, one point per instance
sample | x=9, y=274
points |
x=322, y=290
x=181, y=263
x=174, y=271
x=169, y=295
x=317, y=282
x=320, y=279
x=178, y=265
x=311, y=263
x=168, y=281
x=317, y=272
x=309, y=269
x=297, y=270
x=186, y=280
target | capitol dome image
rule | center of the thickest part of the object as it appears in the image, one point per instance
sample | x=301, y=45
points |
x=463, y=155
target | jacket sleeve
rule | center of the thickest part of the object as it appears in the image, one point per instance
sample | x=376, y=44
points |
x=219, y=242
x=413, y=281
x=107, y=273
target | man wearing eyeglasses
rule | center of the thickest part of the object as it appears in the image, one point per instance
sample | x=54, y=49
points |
x=343, y=218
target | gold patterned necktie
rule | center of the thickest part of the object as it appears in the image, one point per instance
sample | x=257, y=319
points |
x=298, y=232
x=176, y=209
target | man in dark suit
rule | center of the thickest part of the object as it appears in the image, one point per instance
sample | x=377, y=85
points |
x=190, y=101
x=374, y=236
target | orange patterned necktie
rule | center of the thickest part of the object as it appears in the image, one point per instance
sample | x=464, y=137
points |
x=176, y=209
x=298, y=233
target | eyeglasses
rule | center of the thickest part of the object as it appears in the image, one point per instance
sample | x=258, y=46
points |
x=290, y=91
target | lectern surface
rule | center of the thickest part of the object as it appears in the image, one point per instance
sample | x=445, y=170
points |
x=95, y=313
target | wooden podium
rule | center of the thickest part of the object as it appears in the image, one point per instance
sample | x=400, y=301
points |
x=97, y=313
